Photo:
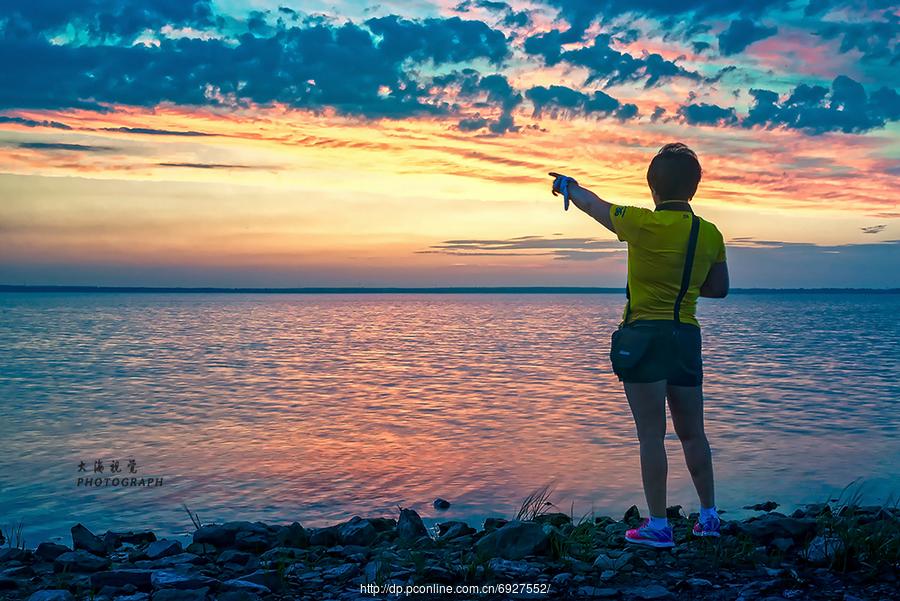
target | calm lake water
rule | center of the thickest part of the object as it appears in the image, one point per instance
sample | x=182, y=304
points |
x=318, y=407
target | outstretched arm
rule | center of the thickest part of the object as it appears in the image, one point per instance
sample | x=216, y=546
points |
x=591, y=204
x=584, y=199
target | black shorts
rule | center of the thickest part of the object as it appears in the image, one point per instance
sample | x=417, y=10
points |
x=673, y=354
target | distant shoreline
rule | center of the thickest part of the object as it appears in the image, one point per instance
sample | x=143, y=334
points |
x=411, y=290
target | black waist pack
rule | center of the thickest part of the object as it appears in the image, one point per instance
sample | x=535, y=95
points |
x=629, y=343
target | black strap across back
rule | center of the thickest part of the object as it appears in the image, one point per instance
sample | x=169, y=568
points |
x=685, y=275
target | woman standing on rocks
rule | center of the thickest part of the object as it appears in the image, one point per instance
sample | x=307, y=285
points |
x=673, y=257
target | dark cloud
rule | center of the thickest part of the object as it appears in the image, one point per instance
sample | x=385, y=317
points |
x=156, y=132
x=700, y=47
x=573, y=249
x=874, y=229
x=33, y=122
x=102, y=19
x=740, y=34
x=875, y=40
x=510, y=17
x=604, y=63
x=707, y=114
x=442, y=41
x=361, y=70
x=580, y=13
x=488, y=92
x=214, y=166
x=816, y=109
x=564, y=102
x=53, y=146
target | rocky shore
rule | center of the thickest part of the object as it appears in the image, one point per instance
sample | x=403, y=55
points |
x=846, y=553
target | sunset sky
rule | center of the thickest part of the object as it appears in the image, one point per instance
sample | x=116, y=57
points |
x=266, y=143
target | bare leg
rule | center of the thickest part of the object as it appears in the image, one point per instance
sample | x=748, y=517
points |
x=648, y=405
x=686, y=406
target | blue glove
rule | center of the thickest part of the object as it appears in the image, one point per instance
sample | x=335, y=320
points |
x=561, y=185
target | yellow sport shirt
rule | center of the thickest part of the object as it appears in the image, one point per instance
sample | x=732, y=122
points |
x=657, y=245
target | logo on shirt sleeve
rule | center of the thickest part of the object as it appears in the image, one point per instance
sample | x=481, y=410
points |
x=620, y=211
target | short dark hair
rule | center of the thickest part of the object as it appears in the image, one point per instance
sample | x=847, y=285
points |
x=674, y=172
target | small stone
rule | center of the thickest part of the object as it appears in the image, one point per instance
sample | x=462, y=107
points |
x=632, y=516
x=163, y=548
x=822, y=549
x=114, y=540
x=341, y=572
x=607, y=574
x=240, y=558
x=171, y=594
x=82, y=538
x=180, y=580
x=561, y=580
x=133, y=597
x=596, y=592
x=49, y=551
x=767, y=506
x=79, y=561
x=410, y=526
x=240, y=585
x=696, y=583
x=139, y=579
x=201, y=548
x=513, y=569
x=782, y=544
x=52, y=595
x=441, y=504
x=650, y=591
x=236, y=596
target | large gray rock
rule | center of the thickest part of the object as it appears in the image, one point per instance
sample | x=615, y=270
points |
x=49, y=551
x=774, y=525
x=292, y=536
x=82, y=538
x=515, y=540
x=325, y=537
x=451, y=530
x=358, y=532
x=79, y=561
x=52, y=595
x=410, y=526
x=139, y=579
x=163, y=548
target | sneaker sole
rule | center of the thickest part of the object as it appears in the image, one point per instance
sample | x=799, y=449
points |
x=650, y=543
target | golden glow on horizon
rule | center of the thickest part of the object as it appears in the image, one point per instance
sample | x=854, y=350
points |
x=279, y=187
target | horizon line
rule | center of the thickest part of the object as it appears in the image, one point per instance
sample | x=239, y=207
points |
x=399, y=289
